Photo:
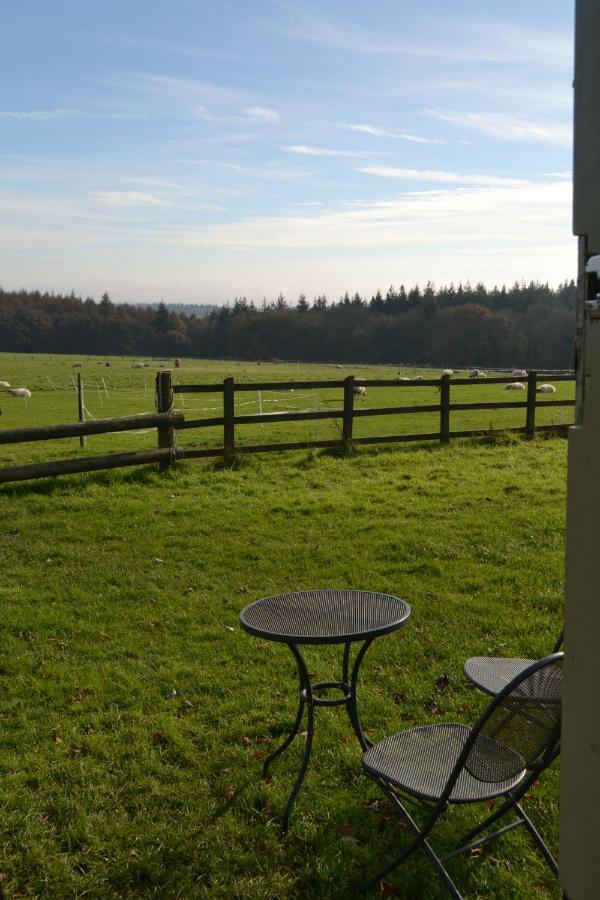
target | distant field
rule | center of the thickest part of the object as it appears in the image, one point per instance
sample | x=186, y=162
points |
x=134, y=711
x=123, y=390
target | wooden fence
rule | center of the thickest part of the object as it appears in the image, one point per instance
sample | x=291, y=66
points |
x=349, y=412
x=168, y=422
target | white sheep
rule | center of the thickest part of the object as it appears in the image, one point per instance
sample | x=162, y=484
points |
x=138, y=365
x=519, y=373
x=19, y=392
x=338, y=366
x=4, y=384
x=514, y=386
x=448, y=372
x=403, y=378
x=360, y=390
x=477, y=373
x=545, y=389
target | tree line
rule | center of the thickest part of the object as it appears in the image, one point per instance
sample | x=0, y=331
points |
x=528, y=325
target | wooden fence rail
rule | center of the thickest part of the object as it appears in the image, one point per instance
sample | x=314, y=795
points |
x=168, y=421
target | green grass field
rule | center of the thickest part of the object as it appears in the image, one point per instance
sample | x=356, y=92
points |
x=135, y=711
x=125, y=390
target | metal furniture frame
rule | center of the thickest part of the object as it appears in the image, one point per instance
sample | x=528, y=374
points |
x=514, y=740
x=492, y=673
x=323, y=617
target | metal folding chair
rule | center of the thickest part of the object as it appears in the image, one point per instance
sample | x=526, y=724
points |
x=492, y=673
x=436, y=765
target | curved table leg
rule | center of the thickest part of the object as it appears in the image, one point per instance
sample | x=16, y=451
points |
x=290, y=736
x=305, y=697
x=352, y=704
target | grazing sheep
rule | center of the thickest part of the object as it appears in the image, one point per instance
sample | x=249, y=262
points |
x=4, y=384
x=448, y=372
x=19, y=392
x=338, y=366
x=477, y=373
x=519, y=373
x=138, y=365
x=403, y=378
x=76, y=365
x=514, y=386
x=545, y=389
x=360, y=390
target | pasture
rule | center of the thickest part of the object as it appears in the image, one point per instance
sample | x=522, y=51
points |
x=127, y=388
x=135, y=711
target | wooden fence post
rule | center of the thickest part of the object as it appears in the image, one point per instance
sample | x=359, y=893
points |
x=80, y=407
x=228, y=415
x=445, y=409
x=531, y=387
x=347, y=420
x=164, y=403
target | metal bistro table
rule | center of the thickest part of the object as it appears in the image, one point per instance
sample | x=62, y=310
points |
x=323, y=617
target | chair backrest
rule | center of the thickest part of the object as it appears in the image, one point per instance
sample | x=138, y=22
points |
x=559, y=642
x=520, y=724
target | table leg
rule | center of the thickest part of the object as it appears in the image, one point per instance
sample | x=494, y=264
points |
x=352, y=704
x=305, y=698
x=290, y=736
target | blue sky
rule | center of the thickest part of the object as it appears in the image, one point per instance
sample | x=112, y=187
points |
x=195, y=151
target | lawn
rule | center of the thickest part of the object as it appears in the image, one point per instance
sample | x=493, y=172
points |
x=127, y=388
x=135, y=711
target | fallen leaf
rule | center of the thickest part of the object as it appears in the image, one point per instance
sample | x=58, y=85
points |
x=263, y=645
x=384, y=889
x=399, y=698
x=247, y=740
x=75, y=751
x=259, y=754
x=171, y=693
x=159, y=739
x=228, y=693
x=56, y=739
x=264, y=739
x=229, y=793
x=158, y=559
x=241, y=589
x=229, y=628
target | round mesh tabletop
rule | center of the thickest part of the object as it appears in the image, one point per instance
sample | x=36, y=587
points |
x=324, y=617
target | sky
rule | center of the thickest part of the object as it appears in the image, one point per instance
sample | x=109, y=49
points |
x=196, y=151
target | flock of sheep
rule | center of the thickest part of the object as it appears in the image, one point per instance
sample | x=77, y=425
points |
x=361, y=391
x=15, y=392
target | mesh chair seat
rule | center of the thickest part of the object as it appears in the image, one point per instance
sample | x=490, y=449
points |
x=421, y=760
x=492, y=674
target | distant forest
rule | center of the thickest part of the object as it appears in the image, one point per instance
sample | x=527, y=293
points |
x=527, y=325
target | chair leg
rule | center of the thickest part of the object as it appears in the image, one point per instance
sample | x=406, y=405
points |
x=419, y=841
x=543, y=848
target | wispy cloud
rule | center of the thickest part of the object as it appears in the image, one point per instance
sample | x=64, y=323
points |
x=155, y=182
x=269, y=171
x=508, y=216
x=303, y=150
x=256, y=114
x=507, y=127
x=46, y=115
x=469, y=41
x=128, y=198
x=440, y=177
x=261, y=114
x=387, y=133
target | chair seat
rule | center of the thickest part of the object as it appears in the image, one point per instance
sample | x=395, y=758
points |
x=420, y=761
x=492, y=674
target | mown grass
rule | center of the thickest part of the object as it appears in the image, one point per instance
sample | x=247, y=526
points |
x=125, y=390
x=134, y=711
